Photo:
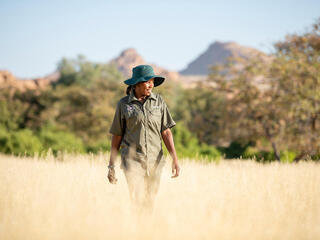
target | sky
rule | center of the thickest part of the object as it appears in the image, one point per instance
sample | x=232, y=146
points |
x=36, y=35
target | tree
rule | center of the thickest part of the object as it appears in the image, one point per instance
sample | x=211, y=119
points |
x=253, y=109
x=276, y=100
x=296, y=74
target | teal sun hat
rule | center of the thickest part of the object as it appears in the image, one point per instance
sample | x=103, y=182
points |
x=144, y=73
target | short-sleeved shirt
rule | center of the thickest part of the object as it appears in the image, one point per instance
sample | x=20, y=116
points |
x=141, y=126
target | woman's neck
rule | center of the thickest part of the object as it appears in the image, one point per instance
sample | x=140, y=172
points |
x=140, y=97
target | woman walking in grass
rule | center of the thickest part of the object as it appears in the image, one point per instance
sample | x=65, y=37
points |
x=142, y=119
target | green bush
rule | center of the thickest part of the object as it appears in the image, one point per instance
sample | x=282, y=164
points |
x=19, y=142
x=4, y=140
x=60, y=141
x=99, y=146
x=268, y=156
x=316, y=157
x=209, y=152
x=188, y=146
x=235, y=150
x=287, y=156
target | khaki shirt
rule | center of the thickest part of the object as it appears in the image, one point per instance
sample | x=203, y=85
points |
x=141, y=126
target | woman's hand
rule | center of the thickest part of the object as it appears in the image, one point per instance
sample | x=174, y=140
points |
x=175, y=169
x=168, y=141
x=115, y=145
x=112, y=176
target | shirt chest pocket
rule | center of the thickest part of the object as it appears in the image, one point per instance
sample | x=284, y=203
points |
x=155, y=116
x=132, y=117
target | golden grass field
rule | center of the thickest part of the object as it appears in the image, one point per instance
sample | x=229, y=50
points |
x=72, y=199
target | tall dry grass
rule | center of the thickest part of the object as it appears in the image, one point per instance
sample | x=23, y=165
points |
x=48, y=199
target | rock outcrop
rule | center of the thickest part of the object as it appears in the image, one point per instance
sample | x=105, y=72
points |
x=197, y=70
x=8, y=80
x=130, y=58
x=218, y=53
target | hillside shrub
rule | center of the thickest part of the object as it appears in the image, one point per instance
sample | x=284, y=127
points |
x=20, y=142
x=60, y=141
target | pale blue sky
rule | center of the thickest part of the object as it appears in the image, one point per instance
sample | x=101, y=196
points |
x=35, y=34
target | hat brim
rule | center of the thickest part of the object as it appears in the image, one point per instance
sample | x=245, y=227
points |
x=158, y=80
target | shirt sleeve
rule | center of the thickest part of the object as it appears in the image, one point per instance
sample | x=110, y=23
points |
x=118, y=123
x=166, y=120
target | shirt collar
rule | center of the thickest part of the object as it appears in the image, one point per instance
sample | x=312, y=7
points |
x=132, y=97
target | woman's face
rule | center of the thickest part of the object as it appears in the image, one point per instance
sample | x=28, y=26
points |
x=144, y=88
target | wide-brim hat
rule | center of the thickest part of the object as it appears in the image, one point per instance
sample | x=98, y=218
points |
x=144, y=73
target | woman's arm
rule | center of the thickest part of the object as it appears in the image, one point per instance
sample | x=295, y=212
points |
x=168, y=141
x=115, y=145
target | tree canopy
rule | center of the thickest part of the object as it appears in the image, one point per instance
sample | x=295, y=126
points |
x=263, y=108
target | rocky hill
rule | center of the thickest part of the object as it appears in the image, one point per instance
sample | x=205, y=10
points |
x=197, y=70
x=8, y=80
x=217, y=53
x=130, y=58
